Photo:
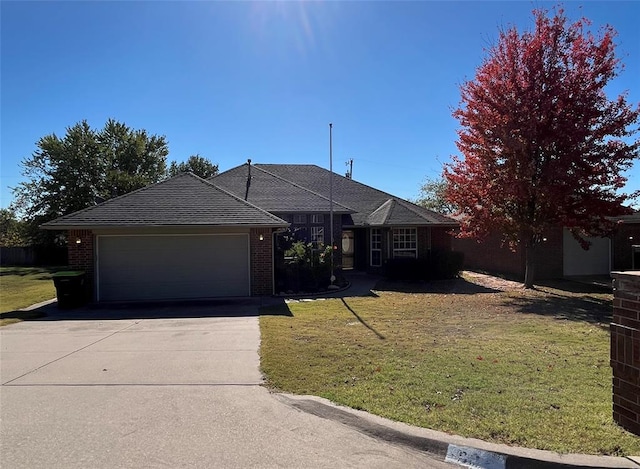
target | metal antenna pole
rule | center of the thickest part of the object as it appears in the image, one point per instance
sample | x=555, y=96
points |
x=333, y=277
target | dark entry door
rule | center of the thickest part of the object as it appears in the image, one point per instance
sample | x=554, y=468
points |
x=347, y=249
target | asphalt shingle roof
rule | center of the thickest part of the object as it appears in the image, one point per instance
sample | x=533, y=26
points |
x=184, y=200
x=273, y=193
x=371, y=206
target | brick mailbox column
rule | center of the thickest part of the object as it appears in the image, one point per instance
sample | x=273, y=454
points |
x=625, y=350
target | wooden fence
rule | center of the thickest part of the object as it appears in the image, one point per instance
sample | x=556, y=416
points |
x=32, y=255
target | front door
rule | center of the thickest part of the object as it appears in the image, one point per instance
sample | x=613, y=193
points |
x=347, y=249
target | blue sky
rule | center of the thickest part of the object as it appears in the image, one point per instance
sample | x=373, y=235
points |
x=262, y=80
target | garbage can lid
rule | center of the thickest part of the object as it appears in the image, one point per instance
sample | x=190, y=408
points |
x=68, y=273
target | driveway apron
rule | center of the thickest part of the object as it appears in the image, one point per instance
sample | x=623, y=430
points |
x=157, y=391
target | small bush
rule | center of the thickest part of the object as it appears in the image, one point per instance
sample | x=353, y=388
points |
x=407, y=270
x=446, y=264
x=440, y=265
x=304, y=267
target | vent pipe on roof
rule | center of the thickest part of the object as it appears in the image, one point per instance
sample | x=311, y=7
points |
x=246, y=192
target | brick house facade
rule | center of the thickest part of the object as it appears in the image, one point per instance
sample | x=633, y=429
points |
x=81, y=252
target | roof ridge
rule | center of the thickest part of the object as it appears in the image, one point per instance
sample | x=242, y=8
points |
x=300, y=186
x=407, y=204
x=210, y=183
x=114, y=199
x=383, y=206
x=416, y=209
x=188, y=174
x=390, y=196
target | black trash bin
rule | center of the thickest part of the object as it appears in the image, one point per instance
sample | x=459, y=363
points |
x=71, y=288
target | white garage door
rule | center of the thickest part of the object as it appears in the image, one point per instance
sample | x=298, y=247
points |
x=577, y=261
x=172, y=267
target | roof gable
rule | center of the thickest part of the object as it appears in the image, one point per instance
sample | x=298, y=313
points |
x=184, y=200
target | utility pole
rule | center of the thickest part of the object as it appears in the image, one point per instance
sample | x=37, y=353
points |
x=350, y=170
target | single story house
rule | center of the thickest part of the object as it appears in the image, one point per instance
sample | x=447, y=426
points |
x=370, y=226
x=187, y=238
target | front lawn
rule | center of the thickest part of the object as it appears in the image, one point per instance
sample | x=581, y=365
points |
x=23, y=286
x=525, y=368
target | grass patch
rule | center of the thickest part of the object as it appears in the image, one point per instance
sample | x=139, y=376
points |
x=524, y=368
x=21, y=287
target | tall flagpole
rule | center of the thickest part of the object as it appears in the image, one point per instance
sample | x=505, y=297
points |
x=333, y=277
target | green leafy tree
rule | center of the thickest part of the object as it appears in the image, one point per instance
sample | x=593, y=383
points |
x=197, y=165
x=433, y=196
x=12, y=230
x=133, y=159
x=70, y=173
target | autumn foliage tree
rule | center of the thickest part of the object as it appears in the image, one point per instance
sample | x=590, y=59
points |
x=542, y=145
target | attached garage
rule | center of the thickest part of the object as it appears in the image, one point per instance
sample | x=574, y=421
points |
x=164, y=267
x=182, y=238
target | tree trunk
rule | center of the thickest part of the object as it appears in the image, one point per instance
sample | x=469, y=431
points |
x=530, y=263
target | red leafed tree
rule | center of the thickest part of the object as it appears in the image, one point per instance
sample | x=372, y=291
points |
x=542, y=145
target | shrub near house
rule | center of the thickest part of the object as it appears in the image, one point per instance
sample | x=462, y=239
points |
x=439, y=265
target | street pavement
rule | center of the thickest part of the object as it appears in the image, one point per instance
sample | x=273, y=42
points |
x=171, y=386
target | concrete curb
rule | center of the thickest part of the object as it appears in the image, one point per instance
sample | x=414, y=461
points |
x=466, y=452
x=39, y=305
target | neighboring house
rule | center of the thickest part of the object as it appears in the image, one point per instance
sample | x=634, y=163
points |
x=190, y=238
x=559, y=255
x=370, y=226
x=625, y=252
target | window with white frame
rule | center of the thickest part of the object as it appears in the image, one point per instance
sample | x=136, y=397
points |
x=317, y=219
x=299, y=219
x=405, y=242
x=317, y=234
x=376, y=247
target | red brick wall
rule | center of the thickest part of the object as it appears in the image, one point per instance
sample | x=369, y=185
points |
x=80, y=255
x=492, y=256
x=625, y=351
x=550, y=255
x=441, y=239
x=261, y=261
x=423, y=242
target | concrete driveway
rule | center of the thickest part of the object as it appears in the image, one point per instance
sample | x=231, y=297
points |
x=172, y=386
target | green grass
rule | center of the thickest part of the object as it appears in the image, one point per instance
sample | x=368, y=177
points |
x=21, y=287
x=524, y=368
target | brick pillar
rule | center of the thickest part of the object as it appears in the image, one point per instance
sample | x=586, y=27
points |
x=261, y=261
x=625, y=350
x=80, y=254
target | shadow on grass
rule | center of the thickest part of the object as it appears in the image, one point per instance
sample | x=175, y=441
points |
x=597, y=311
x=362, y=321
x=23, y=315
x=573, y=286
x=44, y=272
x=458, y=286
x=235, y=307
